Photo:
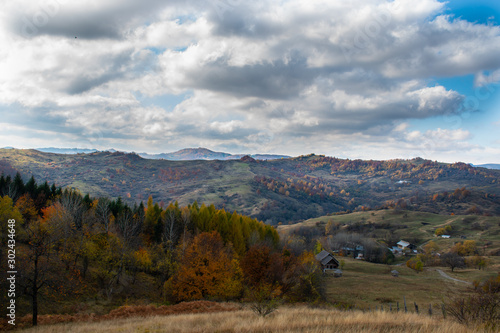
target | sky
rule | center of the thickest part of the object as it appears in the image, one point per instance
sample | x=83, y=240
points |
x=369, y=79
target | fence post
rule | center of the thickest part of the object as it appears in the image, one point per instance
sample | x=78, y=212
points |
x=443, y=309
x=404, y=299
x=430, y=310
x=390, y=307
x=416, y=306
x=397, y=310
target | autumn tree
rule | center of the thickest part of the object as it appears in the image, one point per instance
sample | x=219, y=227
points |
x=265, y=299
x=102, y=213
x=440, y=232
x=72, y=202
x=429, y=256
x=63, y=231
x=40, y=262
x=306, y=284
x=236, y=234
x=106, y=253
x=170, y=228
x=208, y=269
x=7, y=212
x=127, y=227
x=163, y=263
x=186, y=220
x=27, y=207
x=152, y=227
x=452, y=260
x=478, y=262
x=416, y=264
x=466, y=248
x=261, y=266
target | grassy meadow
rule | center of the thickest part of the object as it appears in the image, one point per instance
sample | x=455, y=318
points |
x=366, y=285
x=408, y=225
x=285, y=319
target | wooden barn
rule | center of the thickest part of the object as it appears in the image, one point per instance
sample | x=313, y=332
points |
x=327, y=260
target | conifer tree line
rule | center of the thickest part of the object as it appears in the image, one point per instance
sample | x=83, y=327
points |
x=69, y=245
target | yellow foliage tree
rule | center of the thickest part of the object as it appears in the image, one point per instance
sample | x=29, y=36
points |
x=207, y=270
x=467, y=248
x=440, y=232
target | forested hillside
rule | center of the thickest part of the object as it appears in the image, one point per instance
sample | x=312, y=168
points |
x=284, y=190
x=71, y=247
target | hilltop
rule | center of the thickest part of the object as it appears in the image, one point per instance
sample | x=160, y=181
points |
x=489, y=166
x=187, y=154
x=281, y=190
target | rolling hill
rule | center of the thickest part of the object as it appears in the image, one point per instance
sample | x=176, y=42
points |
x=489, y=166
x=187, y=154
x=280, y=190
x=390, y=226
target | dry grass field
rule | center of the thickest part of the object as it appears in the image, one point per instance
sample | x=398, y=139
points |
x=365, y=285
x=286, y=319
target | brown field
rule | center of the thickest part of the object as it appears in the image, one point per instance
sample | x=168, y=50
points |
x=124, y=312
x=367, y=285
x=286, y=319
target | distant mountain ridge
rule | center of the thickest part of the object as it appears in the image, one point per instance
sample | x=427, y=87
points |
x=187, y=154
x=67, y=150
x=489, y=166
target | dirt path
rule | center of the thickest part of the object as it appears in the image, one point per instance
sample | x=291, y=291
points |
x=446, y=276
x=422, y=228
x=446, y=223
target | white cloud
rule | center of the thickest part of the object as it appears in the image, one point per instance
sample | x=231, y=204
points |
x=260, y=75
x=483, y=79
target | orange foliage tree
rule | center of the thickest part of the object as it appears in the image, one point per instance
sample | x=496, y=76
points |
x=208, y=269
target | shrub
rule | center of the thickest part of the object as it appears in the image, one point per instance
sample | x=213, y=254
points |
x=482, y=308
x=265, y=299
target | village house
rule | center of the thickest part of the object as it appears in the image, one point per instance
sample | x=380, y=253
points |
x=397, y=251
x=403, y=245
x=406, y=245
x=350, y=251
x=327, y=260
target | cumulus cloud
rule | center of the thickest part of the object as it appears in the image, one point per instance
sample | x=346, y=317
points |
x=484, y=79
x=291, y=76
